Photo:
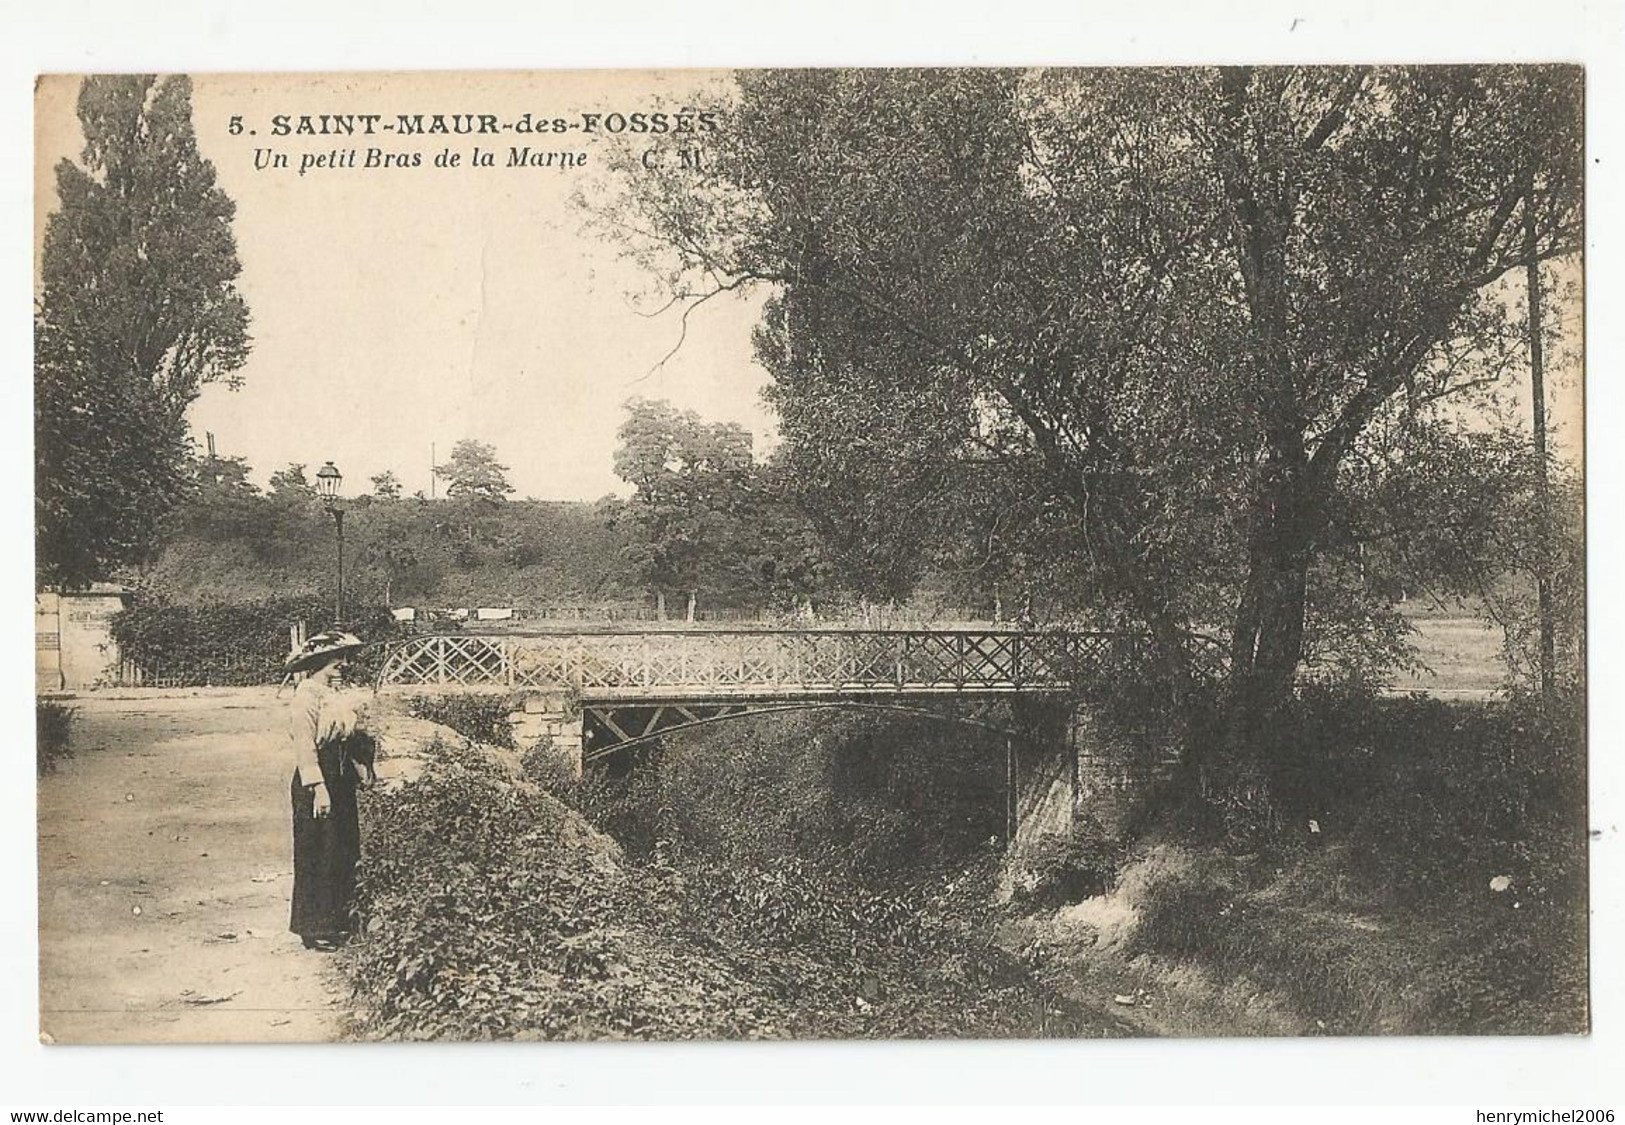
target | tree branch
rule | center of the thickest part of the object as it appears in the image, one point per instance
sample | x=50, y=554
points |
x=1334, y=117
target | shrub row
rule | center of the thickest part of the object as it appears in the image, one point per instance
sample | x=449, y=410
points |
x=231, y=645
x=53, y=729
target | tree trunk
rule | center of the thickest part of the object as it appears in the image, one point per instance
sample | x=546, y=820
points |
x=1266, y=650
x=1267, y=644
x=660, y=605
x=1537, y=395
x=693, y=599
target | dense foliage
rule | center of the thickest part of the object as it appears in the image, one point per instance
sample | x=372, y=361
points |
x=138, y=308
x=53, y=734
x=490, y=924
x=232, y=542
x=514, y=919
x=1428, y=874
x=477, y=716
x=1128, y=334
x=231, y=643
x=831, y=875
x=734, y=539
x=706, y=515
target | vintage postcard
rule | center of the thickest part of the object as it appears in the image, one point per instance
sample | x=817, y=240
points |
x=853, y=553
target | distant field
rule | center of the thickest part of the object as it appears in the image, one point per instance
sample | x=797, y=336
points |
x=1463, y=653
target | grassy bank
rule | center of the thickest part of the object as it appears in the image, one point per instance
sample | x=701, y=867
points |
x=1427, y=876
x=743, y=899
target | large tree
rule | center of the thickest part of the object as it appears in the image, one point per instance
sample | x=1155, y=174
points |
x=1165, y=306
x=472, y=472
x=691, y=482
x=137, y=310
x=292, y=483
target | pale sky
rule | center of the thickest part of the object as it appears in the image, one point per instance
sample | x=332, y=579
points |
x=395, y=308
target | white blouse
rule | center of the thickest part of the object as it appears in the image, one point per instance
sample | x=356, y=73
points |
x=320, y=714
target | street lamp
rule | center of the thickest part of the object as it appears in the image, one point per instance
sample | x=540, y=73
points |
x=328, y=479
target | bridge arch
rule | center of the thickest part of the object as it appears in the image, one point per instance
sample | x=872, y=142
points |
x=1035, y=754
x=593, y=692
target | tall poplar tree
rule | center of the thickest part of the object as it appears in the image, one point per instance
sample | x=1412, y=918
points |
x=137, y=310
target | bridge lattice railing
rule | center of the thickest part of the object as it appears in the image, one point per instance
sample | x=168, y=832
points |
x=729, y=663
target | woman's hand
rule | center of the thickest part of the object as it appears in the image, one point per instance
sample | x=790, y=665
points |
x=320, y=803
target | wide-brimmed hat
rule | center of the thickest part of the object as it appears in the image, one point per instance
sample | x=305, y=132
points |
x=322, y=649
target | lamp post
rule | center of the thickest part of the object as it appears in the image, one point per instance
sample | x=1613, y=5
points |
x=328, y=479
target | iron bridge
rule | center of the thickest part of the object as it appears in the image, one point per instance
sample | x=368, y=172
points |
x=632, y=686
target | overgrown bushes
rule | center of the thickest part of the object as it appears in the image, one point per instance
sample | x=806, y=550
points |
x=493, y=910
x=878, y=799
x=512, y=918
x=1065, y=867
x=1428, y=874
x=480, y=920
x=228, y=543
x=827, y=874
x=480, y=716
x=231, y=644
x=1422, y=791
x=53, y=733
x=885, y=801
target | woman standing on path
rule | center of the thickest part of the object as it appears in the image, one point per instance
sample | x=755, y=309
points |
x=326, y=830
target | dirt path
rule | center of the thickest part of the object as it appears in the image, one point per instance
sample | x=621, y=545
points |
x=164, y=878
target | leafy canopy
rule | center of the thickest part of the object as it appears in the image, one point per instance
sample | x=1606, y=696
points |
x=689, y=480
x=473, y=472
x=1120, y=332
x=707, y=514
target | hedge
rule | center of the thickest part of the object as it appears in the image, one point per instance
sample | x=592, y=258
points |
x=232, y=644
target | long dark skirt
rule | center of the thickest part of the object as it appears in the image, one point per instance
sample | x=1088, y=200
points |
x=325, y=851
